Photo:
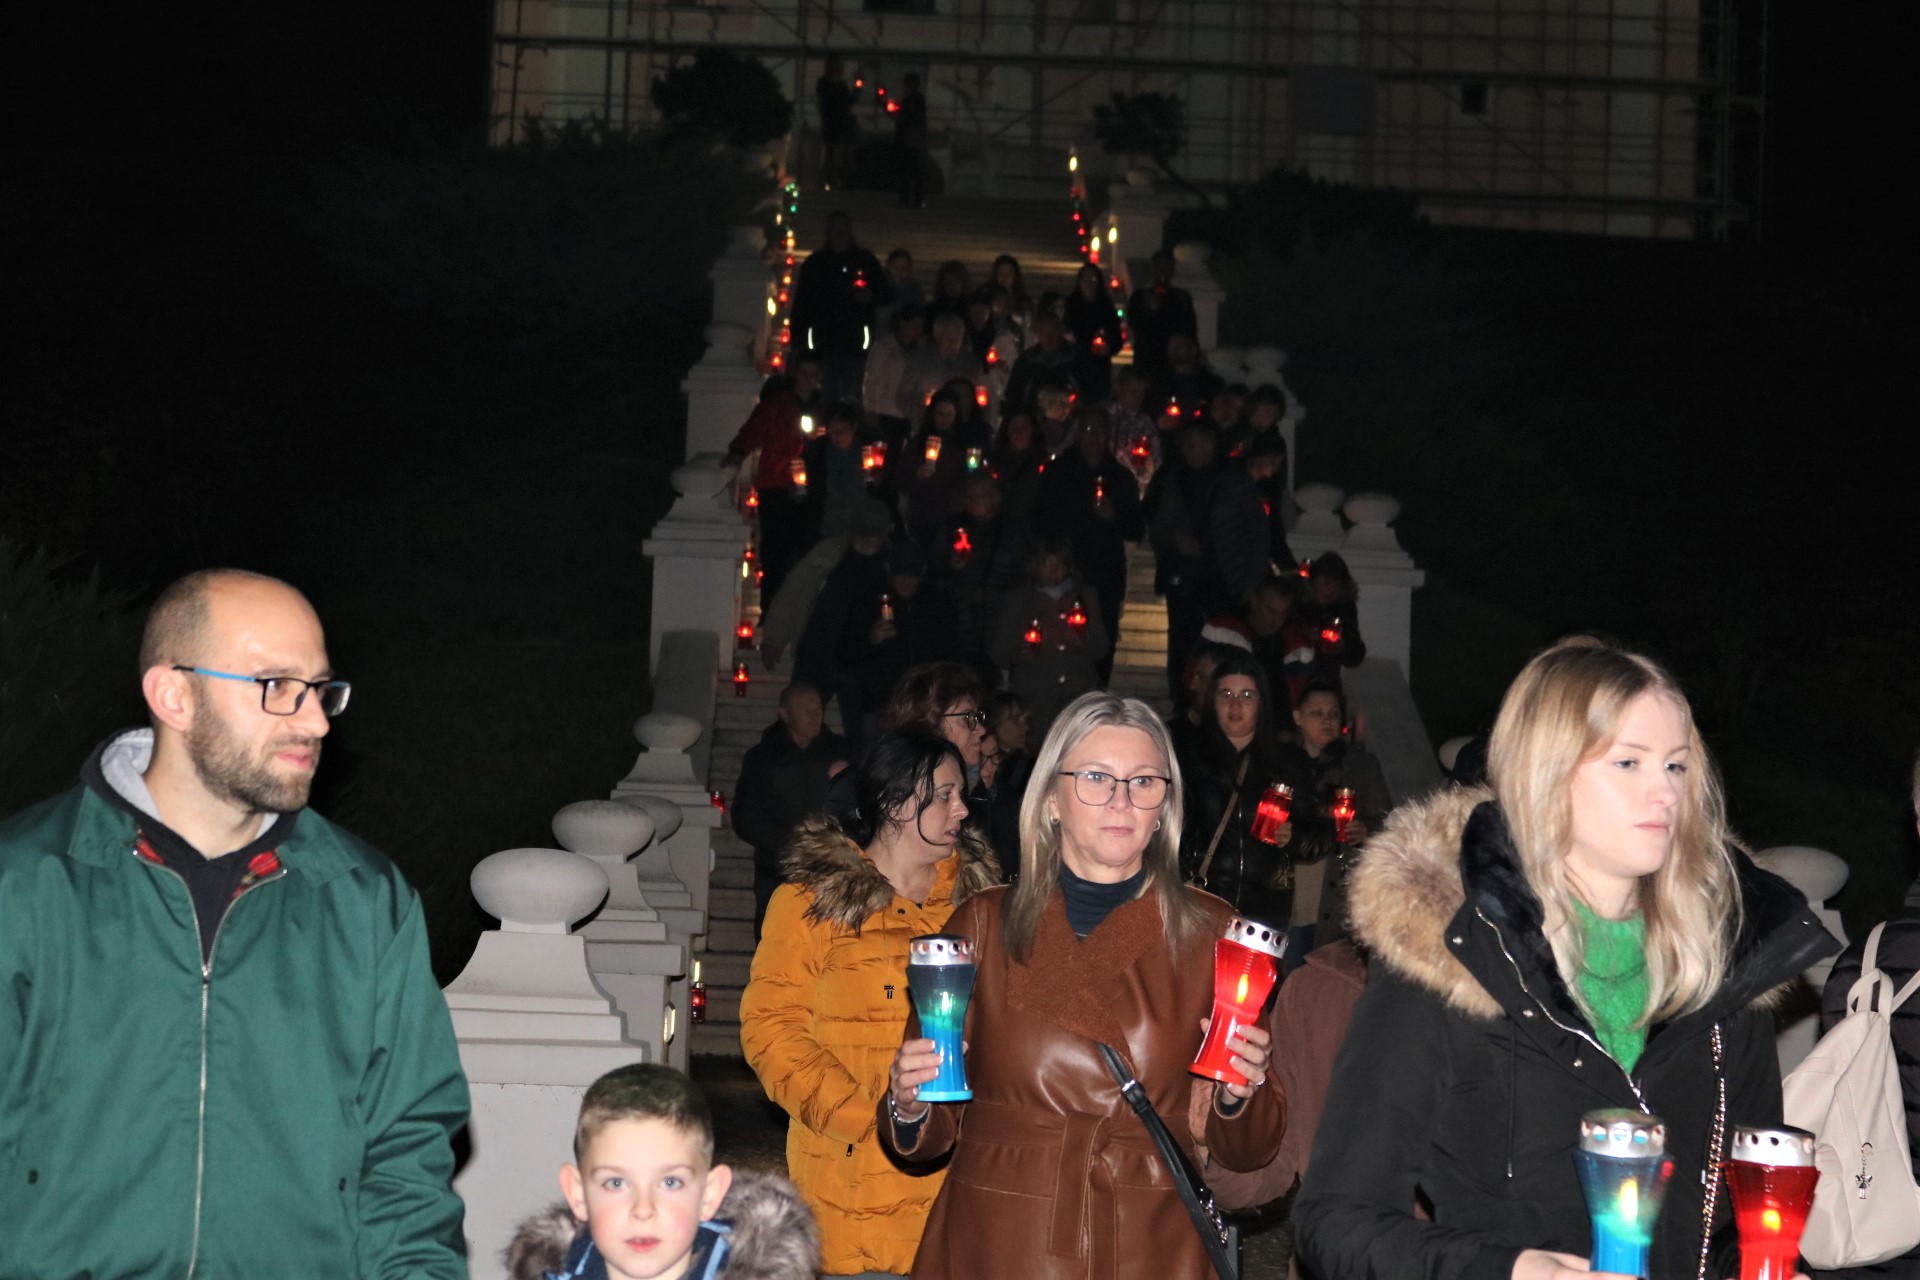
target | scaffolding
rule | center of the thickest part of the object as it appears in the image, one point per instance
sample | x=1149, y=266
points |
x=1622, y=117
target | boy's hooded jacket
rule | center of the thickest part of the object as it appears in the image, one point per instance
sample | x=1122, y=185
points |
x=1468, y=1065
x=823, y=1014
x=762, y=1232
x=284, y=1112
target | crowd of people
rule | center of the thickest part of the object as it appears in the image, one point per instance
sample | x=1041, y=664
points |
x=955, y=474
x=207, y=985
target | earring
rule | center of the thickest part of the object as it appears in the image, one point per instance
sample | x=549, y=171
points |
x=1054, y=818
x=1156, y=824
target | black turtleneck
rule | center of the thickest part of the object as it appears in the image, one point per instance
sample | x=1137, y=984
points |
x=1089, y=902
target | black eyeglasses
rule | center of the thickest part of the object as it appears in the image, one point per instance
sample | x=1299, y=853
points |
x=1091, y=786
x=978, y=719
x=285, y=695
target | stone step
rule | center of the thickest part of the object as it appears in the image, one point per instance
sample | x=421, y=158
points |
x=725, y=969
x=731, y=935
x=729, y=904
x=723, y=1004
x=733, y=873
x=718, y=1039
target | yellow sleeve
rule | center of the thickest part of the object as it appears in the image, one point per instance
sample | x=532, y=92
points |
x=777, y=1025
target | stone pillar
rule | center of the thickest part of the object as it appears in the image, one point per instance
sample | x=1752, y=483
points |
x=628, y=948
x=534, y=1031
x=1137, y=218
x=696, y=552
x=1190, y=273
x=1386, y=576
x=681, y=855
x=743, y=285
x=1819, y=876
x=1319, y=529
x=722, y=389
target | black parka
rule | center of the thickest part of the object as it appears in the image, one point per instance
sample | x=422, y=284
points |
x=1245, y=871
x=1468, y=1065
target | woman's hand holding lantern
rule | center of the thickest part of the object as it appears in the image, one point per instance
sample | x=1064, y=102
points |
x=1252, y=1052
x=915, y=1063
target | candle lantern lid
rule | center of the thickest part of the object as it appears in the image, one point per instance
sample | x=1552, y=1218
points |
x=940, y=949
x=1257, y=936
x=1623, y=1133
x=1279, y=789
x=1782, y=1147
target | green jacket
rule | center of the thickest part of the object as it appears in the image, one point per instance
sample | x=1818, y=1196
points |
x=285, y=1112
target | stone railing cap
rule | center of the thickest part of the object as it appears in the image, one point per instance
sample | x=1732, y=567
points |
x=603, y=828
x=666, y=731
x=1319, y=496
x=667, y=816
x=539, y=889
x=1193, y=251
x=1372, y=508
x=1814, y=872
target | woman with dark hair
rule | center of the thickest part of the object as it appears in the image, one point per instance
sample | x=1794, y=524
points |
x=1094, y=325
x=1007, y=275
x=1052, y=1176
x=827, y=1000
x=931, y=472
x=1584, y=936
x=1331, y=610
x=1237, y=757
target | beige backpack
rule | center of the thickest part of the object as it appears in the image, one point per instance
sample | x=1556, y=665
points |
x=1847, y=1093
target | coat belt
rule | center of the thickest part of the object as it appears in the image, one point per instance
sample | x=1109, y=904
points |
x=1082, y=1177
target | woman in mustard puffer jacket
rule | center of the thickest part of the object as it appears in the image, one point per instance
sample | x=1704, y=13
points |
x=827, y=1002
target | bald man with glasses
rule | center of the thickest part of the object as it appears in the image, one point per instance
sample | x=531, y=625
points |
x=222, y=1049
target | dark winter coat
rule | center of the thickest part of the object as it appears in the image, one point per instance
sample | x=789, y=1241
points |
x=834, y=298
x=1220, y=508
x=926, y=629
x=1246, y=872
x=767, y=1233
x=780, y=783
x=1155, y=314
x=1898, y=957
x=1066, y=512
x=1468, y=1066
x=854, y=582
x=991, y=569
x=1321, y=890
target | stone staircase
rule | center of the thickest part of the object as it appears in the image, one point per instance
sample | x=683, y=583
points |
x=1140, y=657
x=973, y=229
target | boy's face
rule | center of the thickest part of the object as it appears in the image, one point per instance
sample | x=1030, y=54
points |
x=643, y=1188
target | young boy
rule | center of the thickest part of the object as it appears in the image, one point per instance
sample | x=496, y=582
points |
x=651, y=1202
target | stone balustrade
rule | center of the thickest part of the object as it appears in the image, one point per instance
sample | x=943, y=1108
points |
x=1190, y=273
x=534, y=1030
x=697, y=552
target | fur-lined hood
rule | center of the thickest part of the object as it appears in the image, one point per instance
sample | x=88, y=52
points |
x=773, y=1234
x=1451, y=853
x=847, y=889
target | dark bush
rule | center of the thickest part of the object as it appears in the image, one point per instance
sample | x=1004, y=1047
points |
x=725, y=95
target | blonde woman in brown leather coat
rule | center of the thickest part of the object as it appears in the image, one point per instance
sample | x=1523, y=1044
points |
x=1051, y=1175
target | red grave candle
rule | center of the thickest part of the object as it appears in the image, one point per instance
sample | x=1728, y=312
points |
x=1246, y=963
x=1275, y=807
x=740, y=679
x=1343, y=813
x=1772, y=1176
x=962, y=547
x=1033, y=636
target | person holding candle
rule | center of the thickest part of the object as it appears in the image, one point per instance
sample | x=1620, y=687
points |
x=930, y=472
x=977, y=557
x=1052, y=1176
x=827, y=997
x=1237, y=759
x=772, y=439
x=1334, y=764
x=1331, y=612
x=1051, y=668
x=1585, y=935
x=1097, y=334
x=1007, y=275
x=909, y=621
x=1091, y=501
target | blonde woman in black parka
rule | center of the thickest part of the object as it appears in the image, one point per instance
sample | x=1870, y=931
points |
x=1489, y=1026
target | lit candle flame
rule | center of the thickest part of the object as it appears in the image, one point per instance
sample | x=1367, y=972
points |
x=1240, y=995
x=1630, y=1200
x=1770, y=1219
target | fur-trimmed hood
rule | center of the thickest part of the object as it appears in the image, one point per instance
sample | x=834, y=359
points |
x=847, y=888
x=1452, y=852
x=772, y=1234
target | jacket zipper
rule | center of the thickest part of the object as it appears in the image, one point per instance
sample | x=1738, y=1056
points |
x=206, y=984
x=1541, y=1005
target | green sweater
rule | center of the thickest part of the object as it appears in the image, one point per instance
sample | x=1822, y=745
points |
x=1613, y=981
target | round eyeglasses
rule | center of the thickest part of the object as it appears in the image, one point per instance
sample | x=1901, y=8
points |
x=285, y=695
x=1091, y=786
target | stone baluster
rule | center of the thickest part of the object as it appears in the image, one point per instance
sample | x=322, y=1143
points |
x=1386, y=576
x=1819, y=876
x=743, y=284
x=1137, y=218
x=681, y=856
x=1319, y=528
x=722, y=388
x=1190, y=273
x=628, y=947
x=534, y=1031
x=697, y=551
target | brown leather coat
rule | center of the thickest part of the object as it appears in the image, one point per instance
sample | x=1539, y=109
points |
x=1052, y=1175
